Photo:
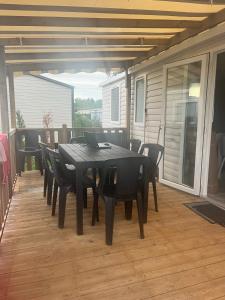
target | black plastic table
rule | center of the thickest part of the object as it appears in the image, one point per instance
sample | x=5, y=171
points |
x=83, y=157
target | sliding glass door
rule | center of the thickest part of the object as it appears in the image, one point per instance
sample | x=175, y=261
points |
x=184, y=123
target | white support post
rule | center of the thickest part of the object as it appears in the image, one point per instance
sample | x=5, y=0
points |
x=12, y=98
x=3, y=93
x=128, y=98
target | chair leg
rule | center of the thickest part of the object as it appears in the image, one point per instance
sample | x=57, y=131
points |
x=128, y=209
x=22, y=157
x=155, y=194
x=45, y=183
x=39, y=158
x=144, y=194
x=109, y=219
x=62, y=207
x=140, y=215
x=49, y=193
x=95, y=211
x=54, y=199
x=85, y=197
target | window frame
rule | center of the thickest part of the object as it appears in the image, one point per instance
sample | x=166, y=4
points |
x=112, y=121
x=143, y=76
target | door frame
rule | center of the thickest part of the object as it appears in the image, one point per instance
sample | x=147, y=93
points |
x=200, y=126
x=209, y=117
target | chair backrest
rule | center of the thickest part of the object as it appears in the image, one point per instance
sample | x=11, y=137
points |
x=101, y=137
x=78, y=140
x=31, y=139
x=154, y=152
x=28, y=139
x=127, y=174
x=56, y=164
x=135, y=145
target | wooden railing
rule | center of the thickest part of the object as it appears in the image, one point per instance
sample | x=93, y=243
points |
x=6, y=188
x=63, y=135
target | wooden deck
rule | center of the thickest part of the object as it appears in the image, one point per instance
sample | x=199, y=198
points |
x=182, y=256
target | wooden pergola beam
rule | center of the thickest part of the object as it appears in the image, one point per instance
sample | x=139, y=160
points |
x=60, y=55
x=208, y=23
x=100, y=10
x=61, y=66
x=214, y=2
x=85, y=33
x=94, y=22
x=80, y=42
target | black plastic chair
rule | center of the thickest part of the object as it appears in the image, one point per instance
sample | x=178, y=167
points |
x=27, y=144
x=155, y=153
x=134, y=145
x=125, y=188
x=78, y=140
x=65, y=181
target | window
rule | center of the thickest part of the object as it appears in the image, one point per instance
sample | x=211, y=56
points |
x=140, y=100
x=115, y=102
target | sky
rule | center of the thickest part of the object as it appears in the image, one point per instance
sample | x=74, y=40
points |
x=86, y=85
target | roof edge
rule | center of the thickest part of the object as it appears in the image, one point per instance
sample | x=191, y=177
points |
x=53, y=81
x=113, y=79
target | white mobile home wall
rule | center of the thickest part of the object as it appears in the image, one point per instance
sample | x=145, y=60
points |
x=36, y=96
x=207, y=43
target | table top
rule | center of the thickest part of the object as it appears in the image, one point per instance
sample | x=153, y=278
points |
x=83, y=154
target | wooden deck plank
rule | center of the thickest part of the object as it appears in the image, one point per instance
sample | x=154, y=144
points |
x=182, y=256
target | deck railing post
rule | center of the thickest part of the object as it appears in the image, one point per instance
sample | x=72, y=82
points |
x=64, y=134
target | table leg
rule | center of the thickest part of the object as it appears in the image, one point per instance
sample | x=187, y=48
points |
x=79, y=203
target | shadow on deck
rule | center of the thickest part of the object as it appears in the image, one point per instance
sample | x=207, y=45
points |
x=181, y=257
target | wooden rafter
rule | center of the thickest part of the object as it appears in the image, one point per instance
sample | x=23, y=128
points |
x=94, y=22
x=102, y=10
x=61, y=66
x=212, y=2
x=79, y=42
x=60, y=55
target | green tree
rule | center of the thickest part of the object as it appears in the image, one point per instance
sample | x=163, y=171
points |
x=20, y=120
x=85, y=120
x=88, y=103
x=82, y=121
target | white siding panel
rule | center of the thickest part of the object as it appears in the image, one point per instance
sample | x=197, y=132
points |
x=153, y=106
x=35, y=97
x=106, y=104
